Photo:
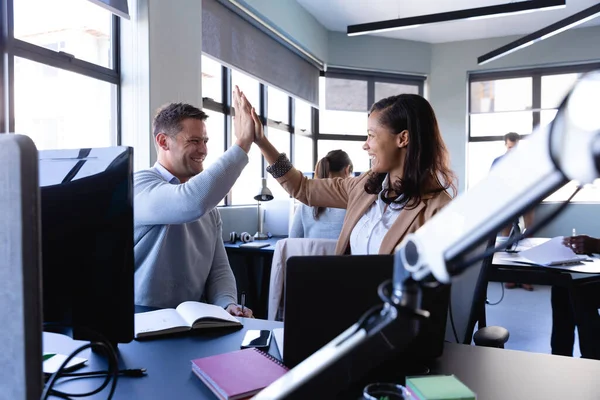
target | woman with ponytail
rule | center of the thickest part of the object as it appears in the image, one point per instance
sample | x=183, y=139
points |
x=323, y=222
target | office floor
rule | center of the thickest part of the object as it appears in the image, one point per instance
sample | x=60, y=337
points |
x=527, y=316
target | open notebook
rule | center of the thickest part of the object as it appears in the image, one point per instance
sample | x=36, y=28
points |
x=187, y=316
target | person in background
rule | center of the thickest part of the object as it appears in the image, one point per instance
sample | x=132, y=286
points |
x=178, y=244
x=322, y=222
x=577, y=307
x=407, y=185
x=511, y=140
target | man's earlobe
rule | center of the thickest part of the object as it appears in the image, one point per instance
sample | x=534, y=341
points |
x=161, y=141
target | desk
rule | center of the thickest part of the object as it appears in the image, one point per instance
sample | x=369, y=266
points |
x=252, y=268
x=167, y=360
x=500, y=374
x=493, y=374
x=505, y=270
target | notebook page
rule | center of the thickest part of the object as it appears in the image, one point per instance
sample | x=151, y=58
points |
x=191, y=311
x=551, y=252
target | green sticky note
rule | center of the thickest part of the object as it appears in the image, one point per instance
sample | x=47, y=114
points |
x=439, y=387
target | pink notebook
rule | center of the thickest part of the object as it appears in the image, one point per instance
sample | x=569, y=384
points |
x=238, y=374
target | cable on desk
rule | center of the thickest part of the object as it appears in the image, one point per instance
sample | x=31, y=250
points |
x=112, y=374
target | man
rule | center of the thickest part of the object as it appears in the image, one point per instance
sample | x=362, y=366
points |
x=511, y=140
x=179, y=251
x=577, y=307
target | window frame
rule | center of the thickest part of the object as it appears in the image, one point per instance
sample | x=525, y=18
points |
x=536, y=108
x=371, y=77
x=12, y=47
x=224, y=106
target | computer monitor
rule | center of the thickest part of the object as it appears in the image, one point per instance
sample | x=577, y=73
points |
x=87, y=241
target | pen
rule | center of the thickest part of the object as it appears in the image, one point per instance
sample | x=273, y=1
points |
x=243, y=301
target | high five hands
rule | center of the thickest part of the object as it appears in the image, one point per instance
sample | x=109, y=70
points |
x=246, y=118
x=243, y=121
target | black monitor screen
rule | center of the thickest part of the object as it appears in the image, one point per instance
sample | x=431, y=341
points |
x=87, y=240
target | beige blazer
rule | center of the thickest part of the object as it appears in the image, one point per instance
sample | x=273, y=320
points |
x=349, y=193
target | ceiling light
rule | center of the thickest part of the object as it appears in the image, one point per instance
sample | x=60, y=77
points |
x=544, y=33
x=471, y=13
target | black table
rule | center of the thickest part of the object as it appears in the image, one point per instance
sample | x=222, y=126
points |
x=167, y=360
x=493, y=374
x=505, y=269
x=252, y=269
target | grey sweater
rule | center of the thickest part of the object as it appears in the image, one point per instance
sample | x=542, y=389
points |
x=328, y=226
x=178, y=244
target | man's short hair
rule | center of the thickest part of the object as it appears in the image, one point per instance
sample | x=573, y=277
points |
x=512, y=136
x=169, y=118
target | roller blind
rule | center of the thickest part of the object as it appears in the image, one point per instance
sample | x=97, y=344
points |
x=231, y=39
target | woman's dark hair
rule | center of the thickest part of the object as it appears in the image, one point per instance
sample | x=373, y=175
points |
x=426, y=168
x=334, y=162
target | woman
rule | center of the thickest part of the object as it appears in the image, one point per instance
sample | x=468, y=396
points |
x=406, y=186
x=321, y=222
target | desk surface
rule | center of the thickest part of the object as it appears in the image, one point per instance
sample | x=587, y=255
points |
x=493, y=374
x=500, y=374
x=269, y=249
x=167, y=360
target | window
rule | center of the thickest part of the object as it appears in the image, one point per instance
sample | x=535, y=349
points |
x=303, y=153
x=279, y=117
x=65, y=83
x=76, y=27
x=343, y=105
x=345, y=98
x=291, y=123
x=516, y=101
x=68, y=110
x=212, y=83
x=359, y=157
x=215, y=126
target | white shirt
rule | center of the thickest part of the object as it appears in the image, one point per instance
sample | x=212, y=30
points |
x=367, y=235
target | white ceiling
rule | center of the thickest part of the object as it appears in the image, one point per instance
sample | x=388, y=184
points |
x=336, y=15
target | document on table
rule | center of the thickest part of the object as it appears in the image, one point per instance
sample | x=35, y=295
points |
x=552, y=252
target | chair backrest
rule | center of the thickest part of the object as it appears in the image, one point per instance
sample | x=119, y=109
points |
x=284, y=249
x=468, y=295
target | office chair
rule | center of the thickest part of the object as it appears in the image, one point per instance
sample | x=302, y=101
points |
x=467, y=305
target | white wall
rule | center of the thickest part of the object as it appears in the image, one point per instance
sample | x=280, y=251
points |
x=161, y=64
x=379, y=53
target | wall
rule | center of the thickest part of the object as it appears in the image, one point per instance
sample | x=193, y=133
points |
x=450, y=64
x=156, y=72
x=295, y=22
x=379, y=53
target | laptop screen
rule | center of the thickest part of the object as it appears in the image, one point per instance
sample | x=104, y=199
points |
x=324, y=295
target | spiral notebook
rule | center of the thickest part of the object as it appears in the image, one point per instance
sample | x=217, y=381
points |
x=239, y=374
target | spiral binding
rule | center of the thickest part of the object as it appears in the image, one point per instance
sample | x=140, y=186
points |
x=270, y=357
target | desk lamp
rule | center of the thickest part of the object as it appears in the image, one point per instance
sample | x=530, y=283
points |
x=264, y=194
